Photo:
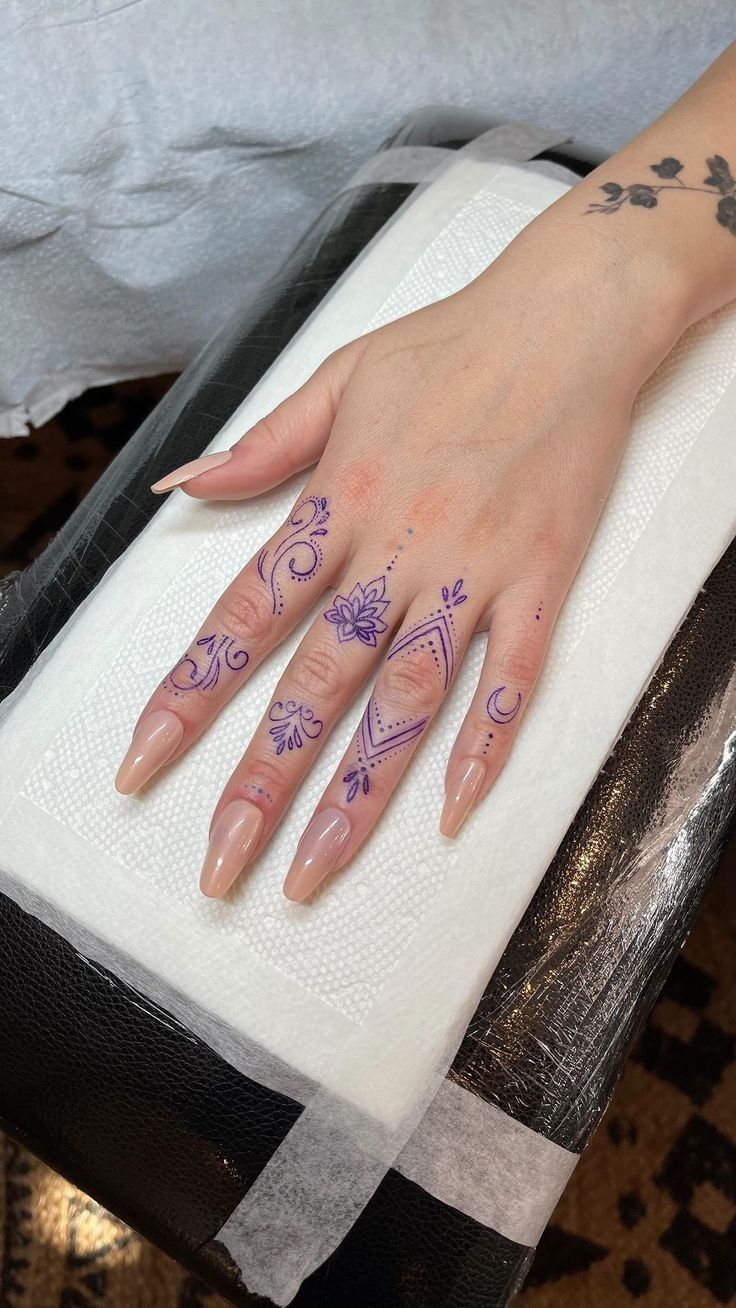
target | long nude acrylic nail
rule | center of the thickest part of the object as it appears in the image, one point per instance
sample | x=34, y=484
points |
x=153, y=743
x=232, y=844
x=188, y=471
x=464, y=783
x=317, y=853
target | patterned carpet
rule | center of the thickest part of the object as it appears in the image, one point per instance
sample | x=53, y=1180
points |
x=650, y=1214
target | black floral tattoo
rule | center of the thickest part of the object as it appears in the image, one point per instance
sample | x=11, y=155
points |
x=719, y=181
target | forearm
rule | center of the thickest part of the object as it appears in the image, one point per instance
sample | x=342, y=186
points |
x=653, y=246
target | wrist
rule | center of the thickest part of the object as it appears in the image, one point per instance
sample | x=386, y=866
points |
x=616, y=306
x=640, y=286
x=666, y=220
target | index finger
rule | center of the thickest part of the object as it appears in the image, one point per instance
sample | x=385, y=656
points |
x=256, y=611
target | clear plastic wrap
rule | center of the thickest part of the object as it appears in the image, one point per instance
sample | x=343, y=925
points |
x=549, y=1034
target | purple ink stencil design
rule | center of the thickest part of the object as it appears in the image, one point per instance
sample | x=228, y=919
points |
x=258, y=790
x=293, y=724
x=358, y=616
x=436, y=633
x=454, y=596
x=220, y=651
x=356, y=778
x=494, y=710
x=299, y=554
x=377, y=739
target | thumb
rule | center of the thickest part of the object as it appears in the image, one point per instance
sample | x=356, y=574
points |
x=287, y=440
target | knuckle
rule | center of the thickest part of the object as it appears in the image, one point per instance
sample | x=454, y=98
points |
x=361, y=483
x=413, y=682
x=551, y=546
x=546, y=541
x=517, y=662
x=269, y=432
x=246, y=611
x=482, y=729
x=266, y=776
x=317, y=673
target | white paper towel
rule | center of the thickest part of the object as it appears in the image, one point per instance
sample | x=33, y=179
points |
x=324, y=987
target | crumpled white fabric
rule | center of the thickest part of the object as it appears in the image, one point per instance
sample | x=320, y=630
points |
x=159, y=158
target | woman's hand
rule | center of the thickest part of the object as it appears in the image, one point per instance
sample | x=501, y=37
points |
x=463, y=455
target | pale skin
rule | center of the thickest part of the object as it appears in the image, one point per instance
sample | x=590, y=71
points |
x=460, y=458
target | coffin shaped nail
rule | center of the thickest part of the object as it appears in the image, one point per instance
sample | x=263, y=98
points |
x=463, y=787
x=154, y=741
x=232, y=844
x=188, y=471
x=317, y=853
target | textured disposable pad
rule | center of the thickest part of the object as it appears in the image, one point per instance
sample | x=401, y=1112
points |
x=300, y=980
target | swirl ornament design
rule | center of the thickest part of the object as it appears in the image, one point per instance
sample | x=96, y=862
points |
x=494, y=710
x=221, y=653
x=299, y=554
x=293, y=724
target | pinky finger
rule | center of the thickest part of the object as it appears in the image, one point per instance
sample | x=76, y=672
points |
x=517, y=644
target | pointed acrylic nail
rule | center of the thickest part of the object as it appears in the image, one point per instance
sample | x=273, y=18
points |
x=463, y=786
x=153, y=743
x=188, y=471
x=232, y=844
x=317, y=853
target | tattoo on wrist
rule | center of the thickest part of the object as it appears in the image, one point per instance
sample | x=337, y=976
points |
x=494, y=710
x=293, y=724
x=646, y=194
x=218, y=653
x=299, y=554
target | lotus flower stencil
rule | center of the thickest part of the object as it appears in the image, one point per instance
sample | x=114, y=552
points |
x=358, y=616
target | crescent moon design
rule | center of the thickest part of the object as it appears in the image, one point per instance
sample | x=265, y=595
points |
x=496, y=713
